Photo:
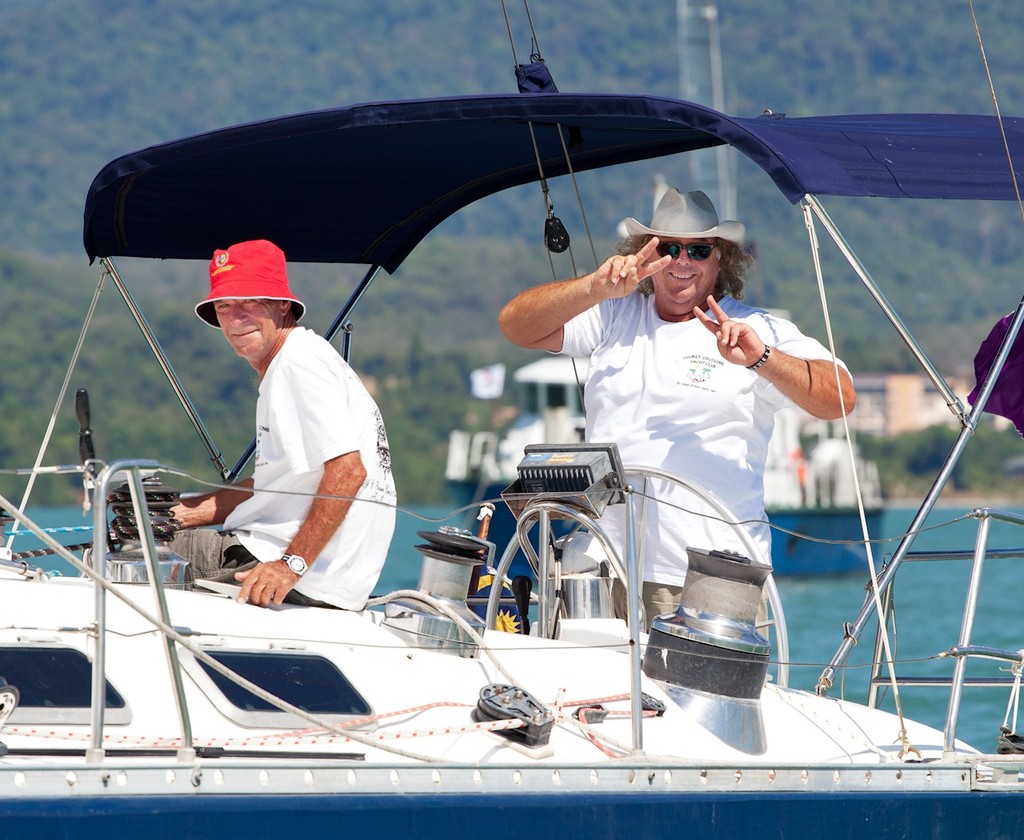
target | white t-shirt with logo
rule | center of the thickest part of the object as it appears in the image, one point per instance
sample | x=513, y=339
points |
x=311, y=408
x=663, y=393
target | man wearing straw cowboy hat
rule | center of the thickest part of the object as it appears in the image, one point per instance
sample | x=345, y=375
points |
x=313, y=524
x=682, y=377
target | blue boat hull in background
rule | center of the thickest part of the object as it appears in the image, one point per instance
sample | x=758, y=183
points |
x=821, y=541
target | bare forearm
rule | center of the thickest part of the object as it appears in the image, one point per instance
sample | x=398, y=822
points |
x=270, y=583
x=211, y=508
x=811, y=384
x=535, y=318
x=343, y=476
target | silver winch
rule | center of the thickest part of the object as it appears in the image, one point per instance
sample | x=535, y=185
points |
x=709, y=654
x=450, y=557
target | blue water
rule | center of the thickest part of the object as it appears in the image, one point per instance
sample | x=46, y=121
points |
x=929, y=604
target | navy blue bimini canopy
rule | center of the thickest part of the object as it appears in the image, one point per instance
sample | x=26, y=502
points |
x=364, y=184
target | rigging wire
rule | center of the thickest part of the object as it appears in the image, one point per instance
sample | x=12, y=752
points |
x=858, y=492
x=556, y=237
x=45, y=443
x=1014, y=698
x=535, y=43
x=883, y=633
x=995, y=104
x=511, y=39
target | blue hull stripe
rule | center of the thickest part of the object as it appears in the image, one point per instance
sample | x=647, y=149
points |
x=731, y=816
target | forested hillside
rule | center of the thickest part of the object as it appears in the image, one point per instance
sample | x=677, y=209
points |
x=83, y=81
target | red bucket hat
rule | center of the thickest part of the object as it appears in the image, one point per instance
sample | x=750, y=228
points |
x=254, y=269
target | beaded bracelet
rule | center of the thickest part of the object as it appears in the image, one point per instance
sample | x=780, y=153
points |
x=764, y=358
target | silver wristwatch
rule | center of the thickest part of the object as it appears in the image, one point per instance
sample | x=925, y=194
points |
x=296, y=563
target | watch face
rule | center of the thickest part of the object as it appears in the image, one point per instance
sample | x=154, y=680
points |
x=296, y=564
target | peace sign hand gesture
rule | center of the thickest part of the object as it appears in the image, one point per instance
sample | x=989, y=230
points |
x=619, y=275
x=738, y=342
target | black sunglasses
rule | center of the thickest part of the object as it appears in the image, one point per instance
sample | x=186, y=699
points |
x=695, y=251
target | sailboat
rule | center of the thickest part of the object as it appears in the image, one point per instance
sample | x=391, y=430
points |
x=134, y=705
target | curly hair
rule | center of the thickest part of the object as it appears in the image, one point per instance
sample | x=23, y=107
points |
x=733, y=266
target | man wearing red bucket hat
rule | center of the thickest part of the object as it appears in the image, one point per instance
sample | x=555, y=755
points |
x=313, y=524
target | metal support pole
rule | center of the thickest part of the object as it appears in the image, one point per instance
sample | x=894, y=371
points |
x=966, y=626
x=926, y=364
x=185, y=751
x=827, y=677
x=545, y=615
x=634, y=599
x=95, y=752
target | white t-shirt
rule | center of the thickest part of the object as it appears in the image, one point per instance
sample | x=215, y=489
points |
x=663, y=393
x=311, y=408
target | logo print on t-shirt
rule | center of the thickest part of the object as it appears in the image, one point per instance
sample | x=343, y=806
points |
x=697, y=371
x=259, y=460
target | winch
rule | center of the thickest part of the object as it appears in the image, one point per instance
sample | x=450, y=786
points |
x=709, y=654
x=128, y=564
x=449, y=557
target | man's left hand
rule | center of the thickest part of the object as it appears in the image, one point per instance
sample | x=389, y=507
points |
x=738, y=342
x=266, y=583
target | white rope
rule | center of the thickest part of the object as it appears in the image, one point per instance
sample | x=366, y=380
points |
x=1013, y=702
x=200, y=654
x=204, y=657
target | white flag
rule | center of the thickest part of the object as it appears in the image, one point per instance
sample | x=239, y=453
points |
x=487, y=383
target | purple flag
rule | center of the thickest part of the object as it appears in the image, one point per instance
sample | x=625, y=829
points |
x=1007, y=397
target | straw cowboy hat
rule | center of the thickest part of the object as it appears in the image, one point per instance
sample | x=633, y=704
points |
x=254, y=269
x=687, y=216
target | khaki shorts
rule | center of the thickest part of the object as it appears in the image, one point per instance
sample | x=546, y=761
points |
x=217, y=555
x=658, y=598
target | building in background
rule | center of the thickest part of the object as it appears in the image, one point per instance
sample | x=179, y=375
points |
x=895, y=403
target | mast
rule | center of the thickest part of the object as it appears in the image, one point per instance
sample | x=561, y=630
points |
x=701, y=81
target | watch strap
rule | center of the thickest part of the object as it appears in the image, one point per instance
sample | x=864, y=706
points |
x=296, y=563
